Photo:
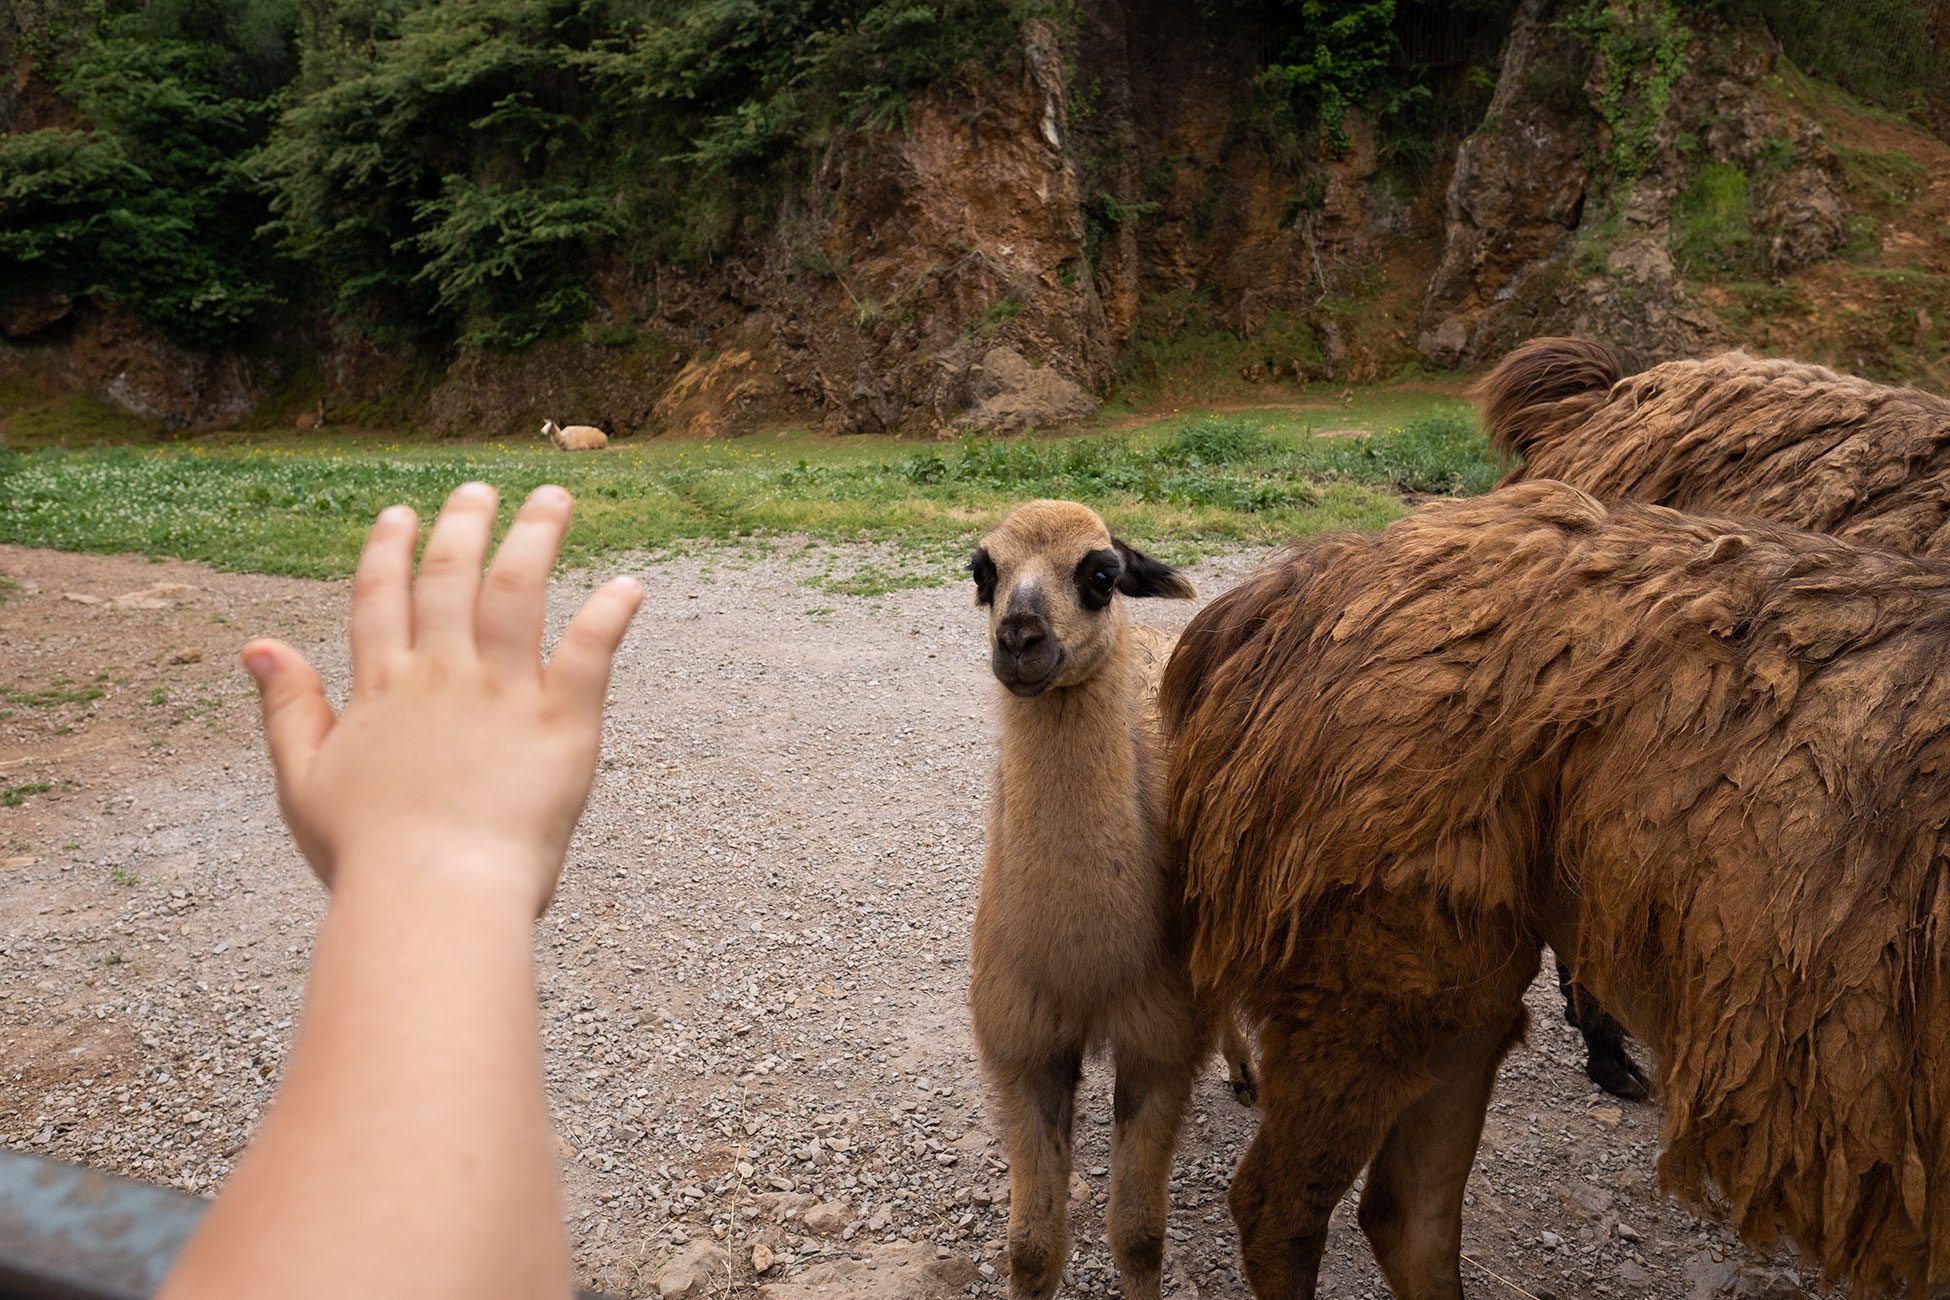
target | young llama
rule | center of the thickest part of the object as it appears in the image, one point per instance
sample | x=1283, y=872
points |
x=1079, y=934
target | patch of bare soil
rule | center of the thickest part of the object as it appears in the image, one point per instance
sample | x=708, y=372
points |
x=116, y=666
x=752, y=977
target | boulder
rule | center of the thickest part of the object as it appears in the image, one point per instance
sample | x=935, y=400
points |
x=828, y=1216
x=695, y=1270
x=1008, y=395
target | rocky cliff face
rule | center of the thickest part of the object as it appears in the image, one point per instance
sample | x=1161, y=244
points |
x=1561, y=218
x=1194, y=200
x=1517, y=200
x=929, y=278
x=997, y=263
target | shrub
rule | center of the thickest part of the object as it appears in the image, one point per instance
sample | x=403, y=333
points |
x=157, y=204
x=1216, y=441
x=1712, y=226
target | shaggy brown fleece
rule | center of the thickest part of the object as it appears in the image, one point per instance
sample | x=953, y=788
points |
x=1716, y=751
x=1732, y=434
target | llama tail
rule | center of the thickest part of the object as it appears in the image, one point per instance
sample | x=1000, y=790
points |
x=1542, y=389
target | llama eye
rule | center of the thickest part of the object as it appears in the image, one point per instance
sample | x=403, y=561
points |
x=1096, y=578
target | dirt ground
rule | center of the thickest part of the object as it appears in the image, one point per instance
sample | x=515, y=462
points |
x=753, y=974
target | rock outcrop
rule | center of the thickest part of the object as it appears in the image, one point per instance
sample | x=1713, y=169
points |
x=1517, y=198
x=1540, y=243
x=1008, y=395
x=98, y=346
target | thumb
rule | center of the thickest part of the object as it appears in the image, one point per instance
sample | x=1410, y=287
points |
x=296, y=716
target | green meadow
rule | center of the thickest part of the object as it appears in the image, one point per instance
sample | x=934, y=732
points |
x=299, y=505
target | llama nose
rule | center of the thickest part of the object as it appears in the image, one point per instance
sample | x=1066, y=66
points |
x=1019, y=633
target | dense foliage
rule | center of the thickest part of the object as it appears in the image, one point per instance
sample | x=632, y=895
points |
x=470, y=170
x=155, y=202
x=1422, y=67
x=455, y=170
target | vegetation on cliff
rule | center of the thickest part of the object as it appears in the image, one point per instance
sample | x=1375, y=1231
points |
x=464, y=169
x=156, y=200
x=483, y=174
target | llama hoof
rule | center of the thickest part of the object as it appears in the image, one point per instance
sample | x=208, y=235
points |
x=1244, y=1090
x=1618, y=1075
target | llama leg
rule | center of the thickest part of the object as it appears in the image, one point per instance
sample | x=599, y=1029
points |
x=1238, y=1053
x=1606, y=1062
x=1039, y=1102
x=1324, y=1110
x=1147, y=1106
x=1411, y=1208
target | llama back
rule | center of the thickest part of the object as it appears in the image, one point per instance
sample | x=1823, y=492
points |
x=1728, y=733
x=1735, y=434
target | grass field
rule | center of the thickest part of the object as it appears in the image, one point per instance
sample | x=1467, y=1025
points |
x=300, y=506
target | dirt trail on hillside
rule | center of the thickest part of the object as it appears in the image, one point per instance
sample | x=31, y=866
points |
x=752, y=976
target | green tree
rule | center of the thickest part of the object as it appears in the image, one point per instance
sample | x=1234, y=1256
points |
x=155, y=203
x=463, y=166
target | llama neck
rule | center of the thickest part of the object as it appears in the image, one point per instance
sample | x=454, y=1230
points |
x=1077, y=757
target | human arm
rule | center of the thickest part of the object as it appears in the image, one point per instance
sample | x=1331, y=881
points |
x=407, y=1151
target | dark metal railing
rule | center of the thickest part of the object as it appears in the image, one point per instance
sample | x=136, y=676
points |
x=73, y=1234
x=68, y=1233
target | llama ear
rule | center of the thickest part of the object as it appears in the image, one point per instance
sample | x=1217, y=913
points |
x=982, y=567
x=1144, y=576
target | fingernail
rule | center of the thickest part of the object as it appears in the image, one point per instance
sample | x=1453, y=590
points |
x=632, y=585
x=393, y=516
x=258, y=664
x=548, y=495
x=474, y=492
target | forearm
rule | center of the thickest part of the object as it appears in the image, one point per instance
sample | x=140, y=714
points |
x=407, y=1152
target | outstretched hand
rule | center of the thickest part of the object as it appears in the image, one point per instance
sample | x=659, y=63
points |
x=460, y=752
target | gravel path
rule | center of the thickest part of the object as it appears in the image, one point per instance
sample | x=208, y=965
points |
x=752, y=976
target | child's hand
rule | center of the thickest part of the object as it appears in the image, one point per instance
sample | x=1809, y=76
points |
x=460, y=758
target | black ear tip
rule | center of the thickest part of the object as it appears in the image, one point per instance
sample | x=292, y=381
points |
x=1144, y=576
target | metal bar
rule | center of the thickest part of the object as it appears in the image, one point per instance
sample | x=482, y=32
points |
x=73, y=1234
x=68, y=1233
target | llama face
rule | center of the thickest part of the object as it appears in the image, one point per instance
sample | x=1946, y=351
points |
x=1050, y=577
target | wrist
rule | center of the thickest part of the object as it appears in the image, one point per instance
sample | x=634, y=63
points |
x=446, y=873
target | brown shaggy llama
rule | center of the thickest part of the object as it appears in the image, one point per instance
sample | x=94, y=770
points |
x=1732, y=434
x=1709, y=756
x=1079, y=936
